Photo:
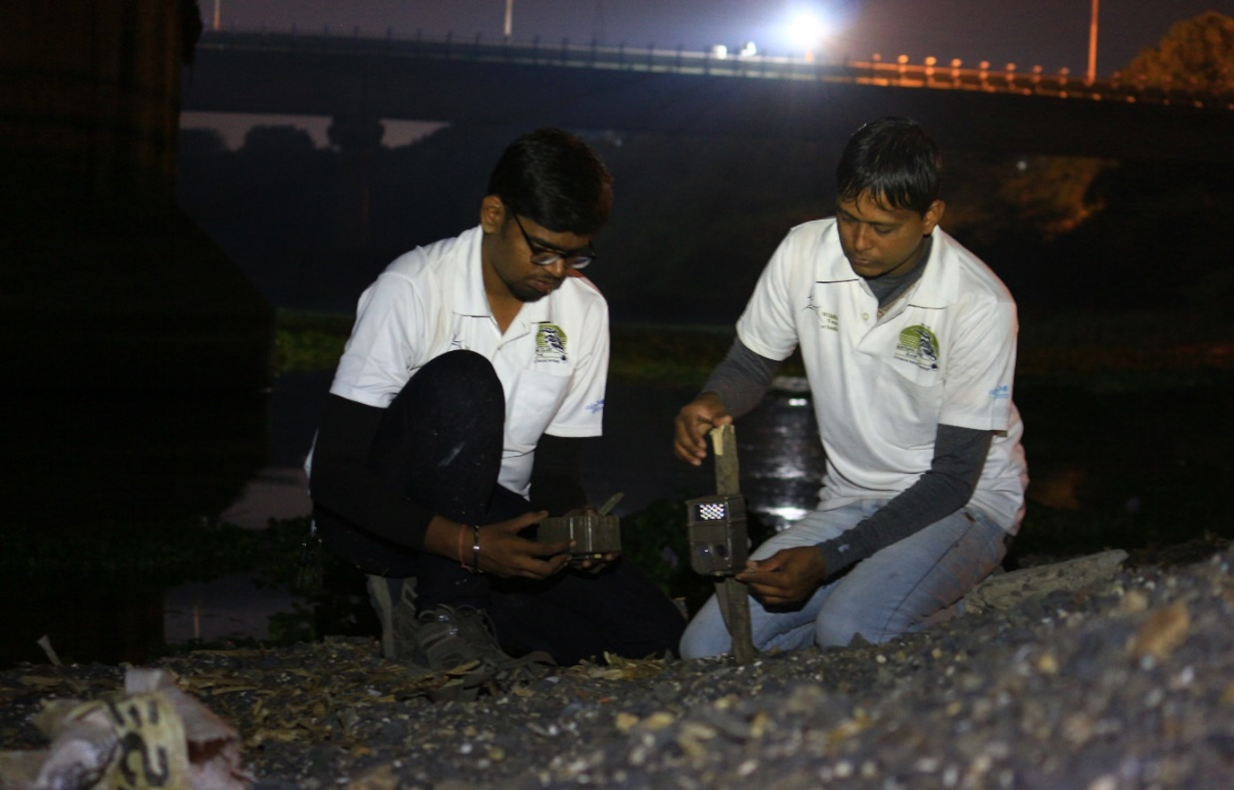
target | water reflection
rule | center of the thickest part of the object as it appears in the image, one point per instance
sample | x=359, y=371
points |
x=239, y=459
x=110, y=460
x=779, y=454
x=781, y=459
x=231, y=606
x=133, y=457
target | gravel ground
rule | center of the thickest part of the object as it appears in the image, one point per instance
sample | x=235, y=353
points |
x=1127, y=683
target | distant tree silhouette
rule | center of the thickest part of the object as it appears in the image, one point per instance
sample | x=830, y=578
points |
x=1037, y=196
x=1041, y=199
x=1196, y=54
x=696, y=218
x=277, y=144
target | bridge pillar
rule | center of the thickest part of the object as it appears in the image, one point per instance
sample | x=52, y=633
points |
x=358, y=139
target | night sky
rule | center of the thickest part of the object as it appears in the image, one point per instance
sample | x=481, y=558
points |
x=1049, y=33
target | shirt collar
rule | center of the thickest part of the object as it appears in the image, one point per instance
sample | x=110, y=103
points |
x=937, y=287
x=470, y=297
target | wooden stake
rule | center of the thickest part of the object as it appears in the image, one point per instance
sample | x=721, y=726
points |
x=732, y=595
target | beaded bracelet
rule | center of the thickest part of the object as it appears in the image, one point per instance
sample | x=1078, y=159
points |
x=475, y=549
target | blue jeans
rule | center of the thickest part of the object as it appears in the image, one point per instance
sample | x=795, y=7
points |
x=895, y=591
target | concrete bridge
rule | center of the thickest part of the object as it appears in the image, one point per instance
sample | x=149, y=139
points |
x=359, y=80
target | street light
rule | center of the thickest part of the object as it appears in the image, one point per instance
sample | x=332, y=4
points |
x=509, y=30
x=807, y=31
x=1092, y=47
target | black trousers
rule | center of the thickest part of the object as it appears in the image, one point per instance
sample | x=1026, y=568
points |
x=440, y=444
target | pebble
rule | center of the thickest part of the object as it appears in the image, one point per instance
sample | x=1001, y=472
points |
x=1128, y=685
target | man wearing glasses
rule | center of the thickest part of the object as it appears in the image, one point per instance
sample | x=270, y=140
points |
x=475, y=369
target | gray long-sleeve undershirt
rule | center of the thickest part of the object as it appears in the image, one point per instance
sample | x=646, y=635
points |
x=740, y=382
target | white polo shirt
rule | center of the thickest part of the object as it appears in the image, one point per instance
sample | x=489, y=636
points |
x=552, y=360
x=944, y=353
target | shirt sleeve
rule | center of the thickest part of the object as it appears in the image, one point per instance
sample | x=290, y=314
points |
x=741, y=379
x=388, y=341
x=767, y=326
x=386, y=344
x=978, y=388
x=581, y=413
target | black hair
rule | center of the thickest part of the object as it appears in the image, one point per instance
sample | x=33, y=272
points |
x=555, y=179
x=894, y=161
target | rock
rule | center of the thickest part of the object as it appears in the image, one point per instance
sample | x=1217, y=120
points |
x=1008, y=590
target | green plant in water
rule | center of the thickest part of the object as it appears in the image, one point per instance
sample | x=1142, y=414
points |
x=306, y=342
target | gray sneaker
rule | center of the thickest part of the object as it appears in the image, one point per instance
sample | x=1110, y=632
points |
x=395, y=603
x=452, y=636
x=449, y=636
x=460, y=640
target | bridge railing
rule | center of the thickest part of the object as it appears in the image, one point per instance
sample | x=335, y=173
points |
x=930, y=74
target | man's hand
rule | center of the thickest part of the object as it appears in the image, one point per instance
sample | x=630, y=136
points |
x=505, y=553
x=694, y=421
x=789, y=576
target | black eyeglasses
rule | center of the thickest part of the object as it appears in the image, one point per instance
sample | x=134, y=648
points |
x=544, y=256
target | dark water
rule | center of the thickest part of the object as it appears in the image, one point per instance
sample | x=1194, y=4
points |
x=210, y=458
x=779, y=454
x=129, y=454
x=781, y=460
x=1131, y=466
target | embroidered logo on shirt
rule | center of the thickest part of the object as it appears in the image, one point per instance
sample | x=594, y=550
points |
x=919, y=346
x=595, y=407
x=1001, y=392
x=826, y=320
x=550, y=343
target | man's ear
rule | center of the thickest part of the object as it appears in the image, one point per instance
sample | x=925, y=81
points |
x=933, y=215
x=492, y=214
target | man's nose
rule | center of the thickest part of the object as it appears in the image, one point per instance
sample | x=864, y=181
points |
x=558, y=268
x=863, y=238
